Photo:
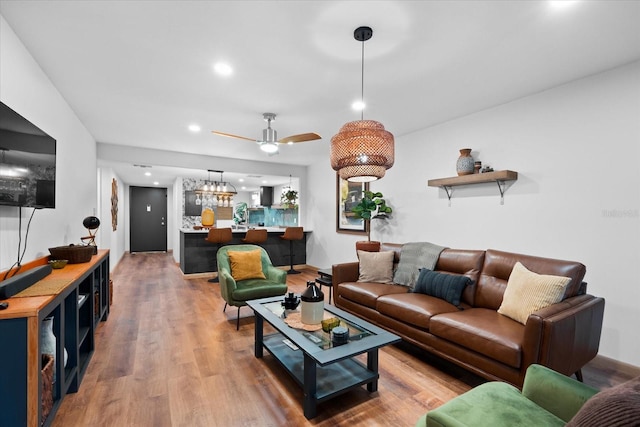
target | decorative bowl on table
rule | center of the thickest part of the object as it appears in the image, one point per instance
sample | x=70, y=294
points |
x=76, y=254
x=58, y=263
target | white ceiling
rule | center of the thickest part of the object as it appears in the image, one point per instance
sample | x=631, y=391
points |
x=139, y=72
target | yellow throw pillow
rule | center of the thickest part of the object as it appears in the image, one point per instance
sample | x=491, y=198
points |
x=246, y=265
x=527, y=292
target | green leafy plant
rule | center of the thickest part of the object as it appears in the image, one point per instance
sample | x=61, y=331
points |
x=289, y=199
x=371, y=206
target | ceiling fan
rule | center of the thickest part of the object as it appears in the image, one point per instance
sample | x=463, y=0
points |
x=269, y=141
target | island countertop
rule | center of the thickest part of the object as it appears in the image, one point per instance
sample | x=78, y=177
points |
x=199, y=256
x=240, y=230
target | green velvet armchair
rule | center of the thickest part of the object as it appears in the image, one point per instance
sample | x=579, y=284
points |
x=548, y=398
x=237, y=293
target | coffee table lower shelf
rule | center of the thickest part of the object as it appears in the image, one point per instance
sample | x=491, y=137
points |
x=331, y=380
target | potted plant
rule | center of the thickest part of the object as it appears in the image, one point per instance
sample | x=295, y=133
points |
x=289, y=199
x=371, y=206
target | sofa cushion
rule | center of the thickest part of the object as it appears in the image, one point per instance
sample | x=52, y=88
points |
x=498, y=266
x=483, y=331
x=528, y=292
x=616, y=406
x=368, y=293
x=413, y=308
x=448, y=287
x=376, y=266
x=257, y=288
x=491, y=404
x=462, y=261
x=246, y=265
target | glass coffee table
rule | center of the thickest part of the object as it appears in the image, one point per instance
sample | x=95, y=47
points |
x=322, y=369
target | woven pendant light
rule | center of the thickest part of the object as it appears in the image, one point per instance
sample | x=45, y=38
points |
x=362, y=150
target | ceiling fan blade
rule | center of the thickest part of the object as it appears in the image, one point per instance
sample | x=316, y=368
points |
x=230, y=135
x=303, y=137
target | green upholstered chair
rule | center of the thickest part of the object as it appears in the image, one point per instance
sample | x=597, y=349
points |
x=548, y=398
x=238, y=293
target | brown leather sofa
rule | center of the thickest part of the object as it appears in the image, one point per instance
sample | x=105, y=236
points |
x=563, y=336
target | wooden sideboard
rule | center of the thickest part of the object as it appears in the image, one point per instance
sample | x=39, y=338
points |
x=78, y=303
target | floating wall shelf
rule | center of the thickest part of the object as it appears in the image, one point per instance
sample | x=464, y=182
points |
x=499, y=177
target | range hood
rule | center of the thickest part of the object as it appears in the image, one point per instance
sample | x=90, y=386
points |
x=266, y=196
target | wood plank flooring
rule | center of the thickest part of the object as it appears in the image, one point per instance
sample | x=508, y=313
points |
x=169, y=356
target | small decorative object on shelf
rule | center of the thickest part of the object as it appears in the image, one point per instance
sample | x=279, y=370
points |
x=49, y=343
x=58, y=263
x=477, y=166
x=465, y=163
x=486, y=169
x=91, y=223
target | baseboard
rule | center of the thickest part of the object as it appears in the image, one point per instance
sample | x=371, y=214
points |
x=607, y=363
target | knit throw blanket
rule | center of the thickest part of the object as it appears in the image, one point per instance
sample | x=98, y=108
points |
x=413, y=257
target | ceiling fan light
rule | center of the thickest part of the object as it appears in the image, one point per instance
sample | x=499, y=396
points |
x=269, y=147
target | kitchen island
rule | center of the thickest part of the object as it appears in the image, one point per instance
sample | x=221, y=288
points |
x=199, y=256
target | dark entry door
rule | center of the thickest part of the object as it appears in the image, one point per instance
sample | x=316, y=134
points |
x=148, y=219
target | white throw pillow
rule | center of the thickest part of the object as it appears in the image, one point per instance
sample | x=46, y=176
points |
x=527, y=292
x=376, y=266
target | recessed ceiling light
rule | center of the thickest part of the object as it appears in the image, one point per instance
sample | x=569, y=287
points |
x=358, y=105
x=243, y=187
x=194, y=128
x=147, y=174
x=156, y=183
x=264, y=181
x=241, y=180
x=562, y=4
x=223, y=69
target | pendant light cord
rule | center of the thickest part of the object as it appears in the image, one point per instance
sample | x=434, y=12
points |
x=362, y=84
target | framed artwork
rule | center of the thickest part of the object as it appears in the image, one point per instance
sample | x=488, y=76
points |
x=348, y=195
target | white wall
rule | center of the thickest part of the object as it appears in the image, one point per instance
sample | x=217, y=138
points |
x=115, y=240
x=25, y=88
x=577, y=151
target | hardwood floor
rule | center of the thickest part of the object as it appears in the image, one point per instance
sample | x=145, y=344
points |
x=169, y=356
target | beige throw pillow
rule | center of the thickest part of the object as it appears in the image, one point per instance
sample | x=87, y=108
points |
x=376, y=266
x=527, y=292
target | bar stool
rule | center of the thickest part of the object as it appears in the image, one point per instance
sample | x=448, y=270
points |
x=291, y=234
x=255, y=237
x=219, y=236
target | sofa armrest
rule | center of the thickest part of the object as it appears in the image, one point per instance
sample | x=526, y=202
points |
x=565, y=336
x=555, y=392
x=347, y=272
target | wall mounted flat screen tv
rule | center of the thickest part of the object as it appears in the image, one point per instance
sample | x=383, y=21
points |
x=27, y=162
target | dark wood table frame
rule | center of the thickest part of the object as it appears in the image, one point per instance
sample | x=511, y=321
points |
x=324, y=373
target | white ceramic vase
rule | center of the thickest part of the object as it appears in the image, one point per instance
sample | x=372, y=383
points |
x=49, y=343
